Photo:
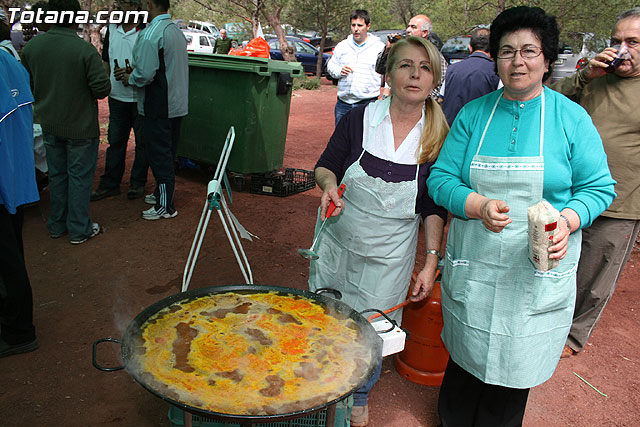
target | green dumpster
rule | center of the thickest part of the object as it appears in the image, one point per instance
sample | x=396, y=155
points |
x=251, y=94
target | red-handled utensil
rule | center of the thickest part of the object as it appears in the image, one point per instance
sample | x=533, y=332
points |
x=394, y=308
x=310, y=254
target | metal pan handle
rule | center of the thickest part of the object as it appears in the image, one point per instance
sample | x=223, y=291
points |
x=95, y=363
x=336, y=293
x=383, y=314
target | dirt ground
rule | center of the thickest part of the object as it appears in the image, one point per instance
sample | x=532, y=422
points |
x=91, y=291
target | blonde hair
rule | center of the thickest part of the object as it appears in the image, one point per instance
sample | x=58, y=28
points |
x=436, y=127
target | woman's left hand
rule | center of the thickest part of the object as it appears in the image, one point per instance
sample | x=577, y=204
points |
x=423, y=286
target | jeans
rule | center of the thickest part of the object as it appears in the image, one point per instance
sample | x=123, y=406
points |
x=343, y=108
x=361, y=396
x=72, y=163
x=122, y=117
x=161, y=138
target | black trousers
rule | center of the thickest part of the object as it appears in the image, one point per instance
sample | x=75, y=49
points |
x=466, y=401
x=16, y=300
x=161, y=138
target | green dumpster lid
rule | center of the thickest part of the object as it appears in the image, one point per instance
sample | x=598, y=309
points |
x=260, y=66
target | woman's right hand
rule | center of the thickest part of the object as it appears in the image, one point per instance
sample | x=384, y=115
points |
x=329, y=194
x=493, y=214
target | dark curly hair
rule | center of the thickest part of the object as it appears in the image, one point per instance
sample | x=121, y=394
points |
x=544, y=26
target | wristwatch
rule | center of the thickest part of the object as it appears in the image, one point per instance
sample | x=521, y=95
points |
x=434, y=252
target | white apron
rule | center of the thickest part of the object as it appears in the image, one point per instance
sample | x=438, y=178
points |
x=368, y=251
x=505, y=322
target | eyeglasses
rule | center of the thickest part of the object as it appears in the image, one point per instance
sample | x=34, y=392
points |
x=526, y=52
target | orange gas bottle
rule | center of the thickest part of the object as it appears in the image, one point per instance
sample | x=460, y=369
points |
x=424, y=357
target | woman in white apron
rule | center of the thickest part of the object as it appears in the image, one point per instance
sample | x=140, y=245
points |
x=382, y=153
x=505, y=323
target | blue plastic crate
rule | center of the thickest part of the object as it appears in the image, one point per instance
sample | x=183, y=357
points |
x=318, y=419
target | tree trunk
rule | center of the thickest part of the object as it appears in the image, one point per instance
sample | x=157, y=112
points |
x=255, y=16
x=273, y=17
x=501, y=6
x=323, y=40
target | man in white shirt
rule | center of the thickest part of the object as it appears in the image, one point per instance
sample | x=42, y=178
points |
x=353, y=64
x=123, y=112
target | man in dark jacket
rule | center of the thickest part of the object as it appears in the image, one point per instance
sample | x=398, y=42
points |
x=472, y=78
x=68, y=79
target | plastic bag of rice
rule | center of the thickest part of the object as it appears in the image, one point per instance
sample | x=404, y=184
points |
x=543, y=221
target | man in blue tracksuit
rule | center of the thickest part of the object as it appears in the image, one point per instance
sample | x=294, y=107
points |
x=161, y=75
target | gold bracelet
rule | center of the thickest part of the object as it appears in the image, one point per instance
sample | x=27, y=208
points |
x=434, y=252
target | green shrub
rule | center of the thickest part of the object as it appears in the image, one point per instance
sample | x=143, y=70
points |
x=306, y=83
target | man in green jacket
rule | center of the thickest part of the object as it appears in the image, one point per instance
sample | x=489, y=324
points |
x=612, y=99
x=68, y=78
x=223, y=43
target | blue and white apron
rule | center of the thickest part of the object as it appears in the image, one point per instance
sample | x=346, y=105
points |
x=368, y=251
x=504, y=321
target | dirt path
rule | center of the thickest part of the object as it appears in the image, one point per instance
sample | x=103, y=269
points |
x=83, y=293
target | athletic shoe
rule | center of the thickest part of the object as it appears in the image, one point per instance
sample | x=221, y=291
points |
x=151, y=214
x=150, y=199
x=135, y=192
x=11, y=349
x=102, y=193
x=95, y=230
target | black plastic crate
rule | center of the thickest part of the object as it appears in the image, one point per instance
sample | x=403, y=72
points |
x=283, y=182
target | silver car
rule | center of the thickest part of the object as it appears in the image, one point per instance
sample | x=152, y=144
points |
x=575, y=50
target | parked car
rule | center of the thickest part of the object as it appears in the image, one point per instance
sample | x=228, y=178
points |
x=207, y=27
x=456, y=49
x=574, y=52
x=199, y=41
x=305, y=53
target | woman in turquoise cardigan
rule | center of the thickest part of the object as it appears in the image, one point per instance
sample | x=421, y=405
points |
x=505, y=323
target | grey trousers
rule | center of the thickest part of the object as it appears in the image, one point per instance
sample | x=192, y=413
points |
x=606, y=247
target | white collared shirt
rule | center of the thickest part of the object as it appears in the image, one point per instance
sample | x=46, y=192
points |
x=382, y=143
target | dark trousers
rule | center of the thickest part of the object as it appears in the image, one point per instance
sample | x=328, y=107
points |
x=606, y=246
x=466, y=401
x=16, y=300
x=123, y=116
x=161, y=138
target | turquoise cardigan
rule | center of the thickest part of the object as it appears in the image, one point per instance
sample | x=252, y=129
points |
x=576, y=174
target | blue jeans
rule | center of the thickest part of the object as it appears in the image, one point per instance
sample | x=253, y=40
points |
x=361, y=396
x=343, y=108
x=122, y=117
x=72, y=163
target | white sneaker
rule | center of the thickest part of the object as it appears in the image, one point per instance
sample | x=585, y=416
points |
x=150, y=199
x=152, y=214
x=95, y=230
